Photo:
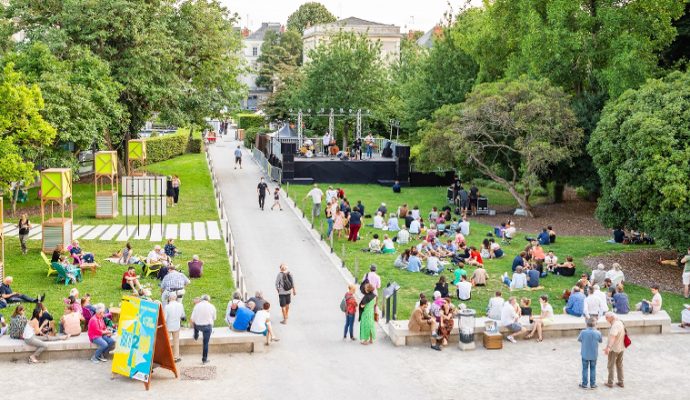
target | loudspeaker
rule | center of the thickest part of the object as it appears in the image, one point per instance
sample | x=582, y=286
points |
x=288, y=175
x=288, y=148
x=402, y=169
x=288, y=157
x=402, y=151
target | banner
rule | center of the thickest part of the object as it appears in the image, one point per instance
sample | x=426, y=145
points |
x=136, y=338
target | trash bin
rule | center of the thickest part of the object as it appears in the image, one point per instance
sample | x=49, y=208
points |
x=466, y=319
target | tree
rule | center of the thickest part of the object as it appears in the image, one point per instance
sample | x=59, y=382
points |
x=593, y=49
x=344, y=72
x=641, y=149
x=278, y=53
x=309, y=14
x=511, y=131
x=5, y=30
x=22, y=128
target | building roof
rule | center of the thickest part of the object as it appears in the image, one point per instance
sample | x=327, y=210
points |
x=352, y=21
x=427, y=39
x=265, y=27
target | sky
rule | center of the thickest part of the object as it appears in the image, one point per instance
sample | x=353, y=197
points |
x=419, y=15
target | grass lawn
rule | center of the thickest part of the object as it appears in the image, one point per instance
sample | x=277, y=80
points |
x=414, y=283
x=196, y=203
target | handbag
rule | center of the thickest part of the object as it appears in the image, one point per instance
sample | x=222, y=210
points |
x=626, y=340
x=376, y=314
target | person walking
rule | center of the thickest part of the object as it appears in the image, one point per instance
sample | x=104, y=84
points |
x=316, y=195
x=174, y=314
x=355, y=224
x=203, y=317
x=589, y=349
x=176, y=189
x=367, y=316
x=285, y=285
x=276, y=199
x=238, y=157
x=24, y=227
x=261, y=190
x=615, y=348
x=350, y=311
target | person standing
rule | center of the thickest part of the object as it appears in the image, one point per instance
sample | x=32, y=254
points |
x=355, y=224
x=176, y=189
x=326, y=143
x=285, y=285
x=203, y=317
x=169, y=192
x=316, y=195
x=589, y=349
x=276, y=199
x=369, y=141
x=238, y=157
x=685, y=262
x=367, y=316
x=24, y=227
x=174, y=314
x=615, y=348
x=174, y=282
x=373, y=278
x=474, y=196
x=261, y=190
x=350, y=311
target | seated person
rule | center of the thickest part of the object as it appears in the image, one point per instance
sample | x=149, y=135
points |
x=464, y=289
x=479, y=277
x=433, y=214
x=459, y=237
x=475, y=258
x=7, y=295
x=526, y=308
x=653, y=306
x=408, y=219
x=422, y=321
x=459, y=273
x=170, y=249
x=396, y=187
x=71, y=270
x=402, y=259
x=464, y=226
x=388, y=245
x=618, y=236
x=414, y=264
x=71, y=322
x=685, y=316
x=519, y=260
x=495, y=249
x=567, y=268
x=415, y=227
x=576, y=303
x=375, y=244
x=510, y=232
x=378, y=221
x=450, y=247
x=550, y=261
x=615, y=274
x=57, y=252
x=130, y=280
x=233, y=305
x=403, y=236
x=620, y=302
x=532, y=277
x=451, y=226
x=442, y=286
x=543, y=237
x=552, y=234
x=415, y=212
x=382, y=209
x=393, y=223
x=244, y=317
x=403, y=211
x=537, y=252
x=493, y=310
x=431, y=233
x=196, y=267
x=433, y=265
x=519, y=280
x=78, y=255
x=157, y=257
x=127, y=256
x=485, y=249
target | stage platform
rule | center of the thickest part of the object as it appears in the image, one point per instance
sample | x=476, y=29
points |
x=327, y=170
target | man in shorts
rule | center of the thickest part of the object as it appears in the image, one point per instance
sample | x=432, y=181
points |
x=285, y=286
x=685, y=263
x=510, y=319
x=261, y=189
x=238, y=157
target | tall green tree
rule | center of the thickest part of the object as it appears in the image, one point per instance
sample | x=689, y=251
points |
x=5, y=30
x=344, y=72
x=511, y=131
x=641, y=149
x=279, y=52
x=309, y=14
x=22, y=127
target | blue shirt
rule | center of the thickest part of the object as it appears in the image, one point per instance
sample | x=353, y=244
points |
x=532, y=278
x=518, y=262
x=243, y=319
x=590, y=339
x=576, y=304
x=544, y=238
x=414, y=264
x=620, y=303
x=238, y=153
x=355, y=218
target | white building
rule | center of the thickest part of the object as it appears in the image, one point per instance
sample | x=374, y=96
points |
x=252, y=50
x=388, y=35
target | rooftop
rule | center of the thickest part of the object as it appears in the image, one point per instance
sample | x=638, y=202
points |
x=265, y=27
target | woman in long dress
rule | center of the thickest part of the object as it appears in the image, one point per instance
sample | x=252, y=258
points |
x=447, y=320
x=367, y=308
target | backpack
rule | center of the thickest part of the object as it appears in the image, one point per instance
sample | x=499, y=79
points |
x=233, y=310
x=364, y=283
x=287, y=281
x=343, y=304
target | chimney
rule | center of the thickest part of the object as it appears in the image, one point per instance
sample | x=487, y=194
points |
x=438, y=31
x=245, y=32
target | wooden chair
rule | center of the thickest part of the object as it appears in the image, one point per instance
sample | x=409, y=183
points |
x=151, y=268
x=51, y=270
x=63, y=273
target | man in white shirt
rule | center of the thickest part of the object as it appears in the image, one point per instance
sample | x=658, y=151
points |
x=550, y=261
x=598, y=275
x=316, y=195
x=593, y=306
x=414, y=227
x=601, y=296
x=378, y=220
x=464, y=226
x=519, y=280
x=326, y=143
x=464, y=289
x=493, y=310
x=203, y=317
x=174, y=313
x=331, y=194
x=510, y=320
x=433, y=266
x=403, y=236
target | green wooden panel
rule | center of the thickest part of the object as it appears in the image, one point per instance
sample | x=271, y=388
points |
x=106, y=163
x=56, y=183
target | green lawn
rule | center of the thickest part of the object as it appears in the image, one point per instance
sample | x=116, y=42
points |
x=414, y=283
x=196, y=203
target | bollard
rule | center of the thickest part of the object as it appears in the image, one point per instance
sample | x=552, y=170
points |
x=321, y=228
x=331, y=238
x=356, y=268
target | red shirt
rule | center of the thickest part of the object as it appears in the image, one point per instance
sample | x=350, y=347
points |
x=477, y=256
x=128, y=274
x=351, y=303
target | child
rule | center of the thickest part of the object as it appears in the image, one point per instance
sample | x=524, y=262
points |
x=276, y=199
x=526, y=308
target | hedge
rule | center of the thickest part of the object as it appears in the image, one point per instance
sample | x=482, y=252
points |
x=247, y=121
x=194, y=145
x=250, y=135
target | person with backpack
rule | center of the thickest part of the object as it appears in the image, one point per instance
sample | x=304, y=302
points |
x=233, y=306
x=372, y=278
x=349, y=306
x=285, y=285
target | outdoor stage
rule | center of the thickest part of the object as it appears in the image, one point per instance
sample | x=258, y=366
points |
x=333, y=170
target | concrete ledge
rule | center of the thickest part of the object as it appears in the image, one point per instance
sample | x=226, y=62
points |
x=223, y=340
x=563, y=326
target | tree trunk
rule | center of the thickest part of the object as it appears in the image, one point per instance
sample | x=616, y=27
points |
x=523, y=201
x=558, y=191
x=346, y=132
x=15, y=196
x=191, y=131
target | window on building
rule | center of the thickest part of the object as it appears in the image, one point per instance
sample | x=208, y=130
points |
x=255, y=51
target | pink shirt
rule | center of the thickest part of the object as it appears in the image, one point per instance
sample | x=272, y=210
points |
x=96, y=327
x=459, y=238
x=374, y=280
x=538, y=253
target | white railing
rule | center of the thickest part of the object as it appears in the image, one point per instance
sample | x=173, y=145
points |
x=273, y=172
x=228, y=238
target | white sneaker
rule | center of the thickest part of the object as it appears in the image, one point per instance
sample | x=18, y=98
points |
x=511, y=339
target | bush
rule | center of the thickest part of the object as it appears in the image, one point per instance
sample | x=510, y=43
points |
x=165, y=147
x=194, y=145
x=247, y=121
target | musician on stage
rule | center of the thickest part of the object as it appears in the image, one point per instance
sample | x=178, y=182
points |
x=357, y=147
x=326, y=143
x=369, y=142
